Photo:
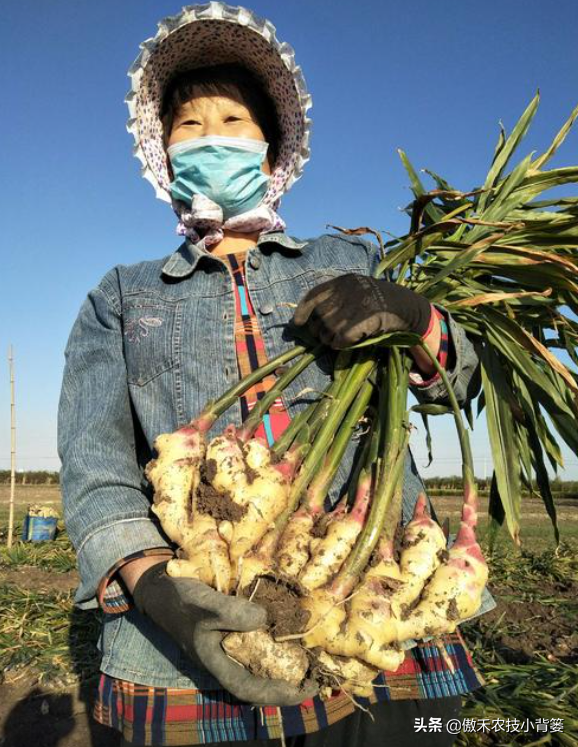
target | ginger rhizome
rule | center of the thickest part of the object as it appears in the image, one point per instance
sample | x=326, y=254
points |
x=252, y=520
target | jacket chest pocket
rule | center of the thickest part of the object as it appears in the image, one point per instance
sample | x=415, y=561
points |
x=313, y=277
x=151, y=337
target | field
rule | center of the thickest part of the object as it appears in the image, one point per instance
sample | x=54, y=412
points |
x=526, y=649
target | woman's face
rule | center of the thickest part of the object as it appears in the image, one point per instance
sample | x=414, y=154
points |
x=216, y=115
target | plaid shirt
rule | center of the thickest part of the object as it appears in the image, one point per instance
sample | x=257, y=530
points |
x=171, y=716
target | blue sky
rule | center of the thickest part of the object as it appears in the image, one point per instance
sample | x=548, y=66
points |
x=432, y=78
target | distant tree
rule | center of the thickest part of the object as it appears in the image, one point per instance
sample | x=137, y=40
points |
x=31, y=477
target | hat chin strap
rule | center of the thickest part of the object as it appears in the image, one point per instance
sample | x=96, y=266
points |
x=203, y=222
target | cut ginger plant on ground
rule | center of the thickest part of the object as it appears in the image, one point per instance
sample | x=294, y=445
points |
x=347, y=590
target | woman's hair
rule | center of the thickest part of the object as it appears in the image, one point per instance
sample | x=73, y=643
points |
x=234, y=81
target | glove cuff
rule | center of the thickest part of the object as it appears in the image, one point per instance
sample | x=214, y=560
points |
x=150, y=583
x=433, y=318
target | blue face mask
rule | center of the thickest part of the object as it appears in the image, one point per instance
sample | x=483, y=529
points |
x=227, y=170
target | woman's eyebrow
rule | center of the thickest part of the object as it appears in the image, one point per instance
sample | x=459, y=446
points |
x=185, y=113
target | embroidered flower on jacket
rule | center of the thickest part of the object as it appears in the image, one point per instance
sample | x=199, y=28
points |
x=138, y=328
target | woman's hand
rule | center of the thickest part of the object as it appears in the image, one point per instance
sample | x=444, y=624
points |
x=196, y=616
x=351, y=308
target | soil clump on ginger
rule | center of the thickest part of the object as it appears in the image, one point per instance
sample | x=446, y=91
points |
x=319, y=528
x=452, y=612
x=218, y=505
x=285, y=615
x=398, y=542
x=407, y=542
x=208, y=470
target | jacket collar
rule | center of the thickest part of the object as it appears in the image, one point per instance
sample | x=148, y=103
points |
x=184, y=261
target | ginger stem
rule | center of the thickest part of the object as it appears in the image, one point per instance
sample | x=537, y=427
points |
x=319, y=487
x=470, y=505
x=396, y=439
x=252, y=422
x=214, y=410
x=351, y=385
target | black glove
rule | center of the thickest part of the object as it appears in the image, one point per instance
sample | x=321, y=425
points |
x=195, y=615
x=351, y=307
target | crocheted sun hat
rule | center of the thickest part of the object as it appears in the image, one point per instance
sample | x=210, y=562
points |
x=213, y=34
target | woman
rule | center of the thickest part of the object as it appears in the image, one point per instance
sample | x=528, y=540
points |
x=219, y=115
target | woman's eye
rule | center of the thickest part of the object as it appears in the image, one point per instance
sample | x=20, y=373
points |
x=232, y=118
x=190, y=122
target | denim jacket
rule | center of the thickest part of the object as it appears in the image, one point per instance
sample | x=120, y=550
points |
x=151, y=345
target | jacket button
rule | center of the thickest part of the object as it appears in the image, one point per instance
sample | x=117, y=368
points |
x=267, y=308
x=255, y=261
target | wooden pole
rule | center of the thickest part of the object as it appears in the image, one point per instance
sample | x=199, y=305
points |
x=12, y=448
